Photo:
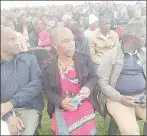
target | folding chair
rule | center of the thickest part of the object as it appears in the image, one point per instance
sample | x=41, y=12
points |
x=41, y=54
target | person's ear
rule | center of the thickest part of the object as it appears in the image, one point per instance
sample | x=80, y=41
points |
x=132, y=38
x=54, y=44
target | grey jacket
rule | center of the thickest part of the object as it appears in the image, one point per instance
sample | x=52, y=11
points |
x=109, y=71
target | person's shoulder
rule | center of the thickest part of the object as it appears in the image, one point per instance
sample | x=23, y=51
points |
x=26, y=56
x=113, y=33
x=132, y=20
x=87, y=30
x=82, y=55
x=85, y=39
x=31, y=34
x=52, y=60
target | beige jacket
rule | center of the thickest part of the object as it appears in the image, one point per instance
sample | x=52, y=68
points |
x=109, y=71
x=100, y=44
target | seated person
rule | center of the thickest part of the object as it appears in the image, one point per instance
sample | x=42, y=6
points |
x=66, y=75
x=21, y=86
x=81, y=43
x=122, y=79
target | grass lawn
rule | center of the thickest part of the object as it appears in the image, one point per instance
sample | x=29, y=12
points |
x=102, y=124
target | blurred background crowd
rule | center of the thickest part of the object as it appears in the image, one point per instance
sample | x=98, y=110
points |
x=34, y=24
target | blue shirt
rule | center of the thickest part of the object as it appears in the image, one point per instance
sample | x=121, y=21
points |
x=21, y=82
x=131, y=79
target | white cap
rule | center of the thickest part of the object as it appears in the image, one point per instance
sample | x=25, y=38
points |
x=92, y=19
x=85, y=10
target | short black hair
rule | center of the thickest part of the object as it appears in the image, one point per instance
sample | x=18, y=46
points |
x=74, y=27
x=132, y=29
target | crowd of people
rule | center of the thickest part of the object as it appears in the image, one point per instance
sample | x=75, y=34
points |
x=97, y=58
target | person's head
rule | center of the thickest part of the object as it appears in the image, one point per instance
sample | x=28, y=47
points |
x=134, y=34
x=23, y=17
x=38, y=25
x=77, y=30
x=10, y=24
x=9, y=42
x=44, y=19
x=66, y=18
x=63, y=41
x=122, y=11
x=104, y=24
x=81, y=22
x=143, y=10
x=131, y=11
x=137, y=12
x=59, y=15
x=93, y=21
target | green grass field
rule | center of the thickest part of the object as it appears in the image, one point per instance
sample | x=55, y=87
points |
x=102, y=124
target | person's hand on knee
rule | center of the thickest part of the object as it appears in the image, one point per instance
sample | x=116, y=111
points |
x=128, y=101
x=15, y=125
x=143, y=105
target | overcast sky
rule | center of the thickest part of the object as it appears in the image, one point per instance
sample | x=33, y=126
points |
x=8, y=4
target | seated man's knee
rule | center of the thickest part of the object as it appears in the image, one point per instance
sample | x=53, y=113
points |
x=31, y=123
x=129, y=130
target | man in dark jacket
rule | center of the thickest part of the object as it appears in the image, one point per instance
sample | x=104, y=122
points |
x=81, y=42
x=21, y=85
x=58, y=69
x=34, y=35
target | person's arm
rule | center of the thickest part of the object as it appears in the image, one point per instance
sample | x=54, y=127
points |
x=117, y=43
x=6, y=116
x=104, y=73
x=25, y=31
x=32, y=42
x=32, y=89
x=87, y=50
x=51, y=95
x=92, y=76
x=93, y=54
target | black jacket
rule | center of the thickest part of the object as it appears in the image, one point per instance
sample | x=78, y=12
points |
x=51, y=84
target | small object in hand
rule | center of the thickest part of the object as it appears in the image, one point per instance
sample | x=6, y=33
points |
x=76, y=100
x=142, y=99
x=138, y=103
